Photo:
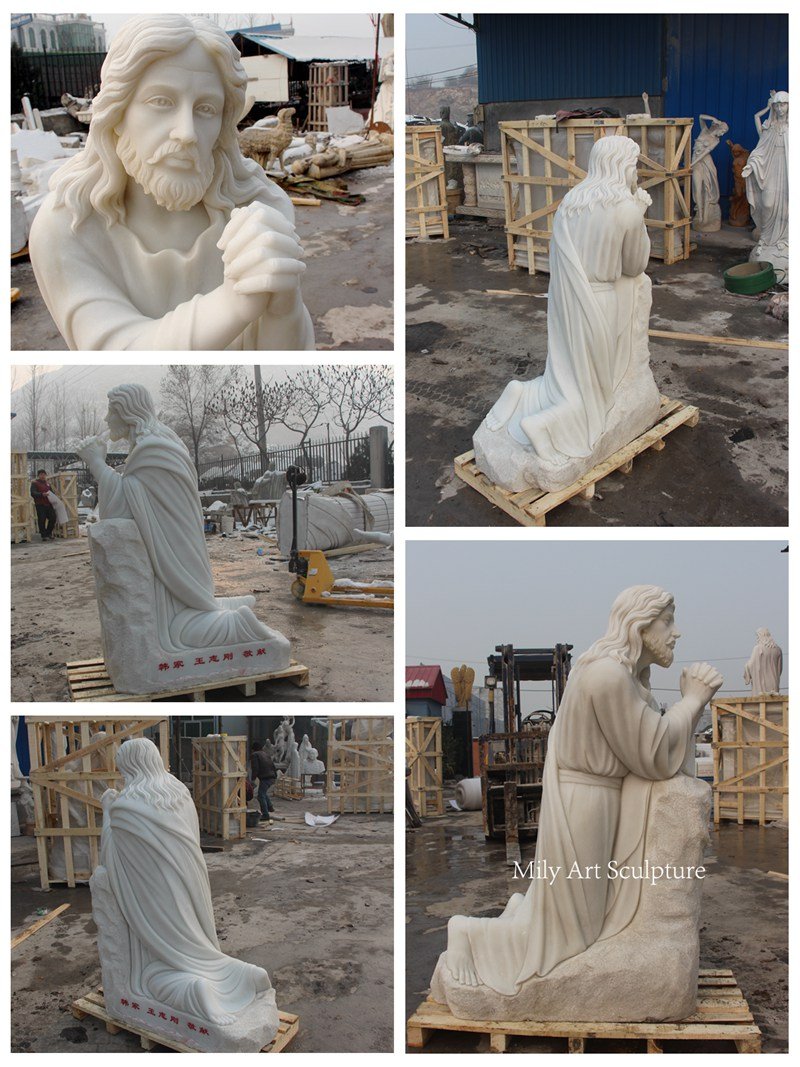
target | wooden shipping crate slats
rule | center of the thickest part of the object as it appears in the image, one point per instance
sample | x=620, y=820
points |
x=360, y=768
x=424, y=760
x=531, y=506
x=751, y=782
x=722, y=1014
x=426, y=195
x=219, y=775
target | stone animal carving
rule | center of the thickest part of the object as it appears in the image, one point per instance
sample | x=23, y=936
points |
x=265, y=144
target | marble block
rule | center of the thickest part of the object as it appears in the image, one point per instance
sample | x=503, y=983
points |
x=648, y=971
x=134, y=656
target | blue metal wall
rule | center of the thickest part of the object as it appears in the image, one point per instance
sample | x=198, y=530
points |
x=725, y=65
x=549, y=57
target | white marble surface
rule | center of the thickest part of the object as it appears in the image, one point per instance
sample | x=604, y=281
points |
x=767, y=183
x=763, y=670
x=705, y=182
x=159, y=234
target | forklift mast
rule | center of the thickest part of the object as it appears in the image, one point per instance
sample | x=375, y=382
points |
x=512, y=666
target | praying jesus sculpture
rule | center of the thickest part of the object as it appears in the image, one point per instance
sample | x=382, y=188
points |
x=160, y=234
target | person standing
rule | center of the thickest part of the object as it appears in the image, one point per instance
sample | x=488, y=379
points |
x=45, y=512
x=262, y=768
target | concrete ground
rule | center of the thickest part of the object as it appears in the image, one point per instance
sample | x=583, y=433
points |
x=348, y=287
x=348, y=651
x=311, y=905
x=452, y=869
x=464, y=345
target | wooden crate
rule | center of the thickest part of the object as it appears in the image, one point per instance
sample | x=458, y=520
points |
x=426, y=196
x=750, y=745
x=88, y=681
x=360, y=765
x=722, y=1014
x=424, y=761
x=543, y=159
x=530, y=506
x=69, y=773
x=65, y=486
x=219, y=774
x=328, y=86
x=94, y=1005
x=23, y=514
x=288, y=788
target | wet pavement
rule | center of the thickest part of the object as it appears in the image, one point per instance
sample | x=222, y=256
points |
x=452, y=869
x=464, y=344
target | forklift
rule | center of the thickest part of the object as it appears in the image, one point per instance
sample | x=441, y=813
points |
x=512, y=762
x=315, y=583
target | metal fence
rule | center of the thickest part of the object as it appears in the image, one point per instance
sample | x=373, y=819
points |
x=44, y=76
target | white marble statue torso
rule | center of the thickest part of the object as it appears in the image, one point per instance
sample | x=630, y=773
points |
x=767, y=183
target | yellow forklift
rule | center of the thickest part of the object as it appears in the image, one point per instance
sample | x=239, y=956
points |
x=315, y=583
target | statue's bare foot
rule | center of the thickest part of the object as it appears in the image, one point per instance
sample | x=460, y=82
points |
x=459, y=953
x=505, y=407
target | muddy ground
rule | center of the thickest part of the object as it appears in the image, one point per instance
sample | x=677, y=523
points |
x=348, y=287
x=464, y=345
x=311, y=905
x=54, y=620
x=452, y=869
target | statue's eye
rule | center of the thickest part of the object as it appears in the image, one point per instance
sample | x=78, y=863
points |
x=207, y=109
x=160, y=101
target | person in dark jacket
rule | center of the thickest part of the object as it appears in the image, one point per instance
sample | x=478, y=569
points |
x=45, y=512
x=262, y=768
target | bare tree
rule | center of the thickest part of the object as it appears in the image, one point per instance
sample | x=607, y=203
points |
x=309, y=396
x=237, y=405
x=355, y=393
x=189, y=393
x=88, y=419
x=34, y=399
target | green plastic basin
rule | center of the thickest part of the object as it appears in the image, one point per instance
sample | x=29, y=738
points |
x=749, y=278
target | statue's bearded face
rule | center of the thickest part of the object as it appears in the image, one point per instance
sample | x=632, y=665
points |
x=166, y=138
x=660, y=636
x=117, y=427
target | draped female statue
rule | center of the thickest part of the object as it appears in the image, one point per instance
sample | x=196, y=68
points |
x=705, y=183
x=767, y=182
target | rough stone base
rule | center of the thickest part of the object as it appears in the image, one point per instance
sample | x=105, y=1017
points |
x=249, y=1031
x=648, y=972
x=516, y=467
x=777, y=255
x=134, y=657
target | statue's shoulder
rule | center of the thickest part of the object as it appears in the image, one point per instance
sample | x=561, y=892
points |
x=52, y=234
x=606, y=670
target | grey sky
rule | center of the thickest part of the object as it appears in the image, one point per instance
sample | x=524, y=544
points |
x=465, y=597
x=346, y=25
x=435, y=44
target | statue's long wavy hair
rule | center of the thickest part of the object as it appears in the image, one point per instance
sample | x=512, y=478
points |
x=135, y=405
x=605, y=176
x=631, y=613
x=146, y=779
x=96, y=179
x=764, y=638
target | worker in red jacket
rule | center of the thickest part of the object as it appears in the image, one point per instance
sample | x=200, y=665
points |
x=45, y=512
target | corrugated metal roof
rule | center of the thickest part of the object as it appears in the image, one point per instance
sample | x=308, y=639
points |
x=425, y=683
x=321, y=49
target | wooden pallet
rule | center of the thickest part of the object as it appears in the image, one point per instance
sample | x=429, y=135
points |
x=94, y=1004
x=722, y=1014
x=530, y=506
x=88, y=680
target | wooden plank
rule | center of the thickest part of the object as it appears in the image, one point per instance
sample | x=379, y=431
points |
x=531, y=506
x=38, y=925
x=742, y=342
x=426, y=197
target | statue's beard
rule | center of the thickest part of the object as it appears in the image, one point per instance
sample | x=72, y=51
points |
x=171, y=191
x=659, y=650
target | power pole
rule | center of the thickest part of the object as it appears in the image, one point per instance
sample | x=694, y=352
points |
x=262, y=433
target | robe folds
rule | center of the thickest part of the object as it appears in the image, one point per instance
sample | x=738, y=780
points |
x=160, y=882
x=767, y=184
x=158, y=489
x=607, y=746
x=106, y=290
x=764, y=668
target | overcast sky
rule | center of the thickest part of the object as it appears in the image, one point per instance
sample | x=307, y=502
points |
x=304, y=25
x=466, y=597
x=436, y=45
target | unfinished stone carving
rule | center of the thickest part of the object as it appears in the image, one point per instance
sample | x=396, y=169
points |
x=160, y=234
x=705, y=183
x=584, y=943
x=151, y=902
x=310, y=763
x=764, y=668
x=767, y=181
x=597, y=392
x=738, y=207
x=162, y=625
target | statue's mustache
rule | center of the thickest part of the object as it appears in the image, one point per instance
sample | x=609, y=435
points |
x=173, y=148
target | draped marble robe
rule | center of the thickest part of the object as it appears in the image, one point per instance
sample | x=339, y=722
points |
x=767, y=182
x=764, y=668
x=609, y=743
x=158, y=489
x=159, y=879
x=106, y=290
x=705, y=182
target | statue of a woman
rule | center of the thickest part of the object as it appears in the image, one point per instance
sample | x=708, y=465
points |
x=172, y=622
x=597, y=392
x=767, y=181
x=705, y=184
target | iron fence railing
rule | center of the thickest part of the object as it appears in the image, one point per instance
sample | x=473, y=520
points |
x=44, y=76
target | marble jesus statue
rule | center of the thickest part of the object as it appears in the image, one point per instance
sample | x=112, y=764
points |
x=151, y=900
x=161, y=622
x=764, y=668
x=609, y=747
x=160, y=234
x=597, y=392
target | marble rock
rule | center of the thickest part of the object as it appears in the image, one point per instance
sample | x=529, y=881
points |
x=597, y=392
x=161, y=964
x=646, y=972
x=159, y=234
x=766, y=177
